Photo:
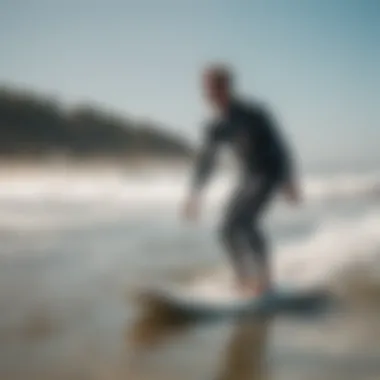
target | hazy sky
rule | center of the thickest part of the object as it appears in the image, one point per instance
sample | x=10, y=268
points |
x=316, y=61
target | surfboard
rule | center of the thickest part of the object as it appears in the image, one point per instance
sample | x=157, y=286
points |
x=222, y=301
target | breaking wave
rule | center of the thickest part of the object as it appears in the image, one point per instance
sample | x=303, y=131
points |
x=122, y=187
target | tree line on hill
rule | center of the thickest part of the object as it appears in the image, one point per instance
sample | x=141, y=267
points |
x=35, y=126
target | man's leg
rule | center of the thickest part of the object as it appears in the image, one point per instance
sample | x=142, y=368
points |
x=232, y=234
x=256, y=202
x=242, y=236
x=258, y=246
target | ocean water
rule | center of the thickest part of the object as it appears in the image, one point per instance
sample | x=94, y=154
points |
x=76, y=243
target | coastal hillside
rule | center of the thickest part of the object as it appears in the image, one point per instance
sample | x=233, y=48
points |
x=37, y=126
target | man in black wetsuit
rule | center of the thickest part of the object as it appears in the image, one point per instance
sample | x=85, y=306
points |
x=266, y=167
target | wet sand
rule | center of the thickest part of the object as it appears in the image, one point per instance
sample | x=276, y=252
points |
x=59, y=321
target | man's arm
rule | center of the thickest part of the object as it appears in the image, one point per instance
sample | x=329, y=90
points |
x=279, y=145
x=205, y=162
x=204, y=166
x=282, y=149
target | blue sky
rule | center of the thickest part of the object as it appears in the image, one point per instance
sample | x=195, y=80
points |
x=317, y=62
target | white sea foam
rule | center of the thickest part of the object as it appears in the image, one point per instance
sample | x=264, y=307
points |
x=330, y=251
x=50, y=199
x=53, y=200
x=325, y=257
x=117, y=186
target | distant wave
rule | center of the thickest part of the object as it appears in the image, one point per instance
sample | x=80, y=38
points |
x=343, y=185
x=159, y=188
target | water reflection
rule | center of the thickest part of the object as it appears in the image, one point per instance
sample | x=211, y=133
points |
x=154, y=328
x=244, y=356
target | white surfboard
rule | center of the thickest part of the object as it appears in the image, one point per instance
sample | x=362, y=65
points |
x=212, y=299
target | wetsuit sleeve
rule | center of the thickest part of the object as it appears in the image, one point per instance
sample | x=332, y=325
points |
x=280, y=146
x=205, y=161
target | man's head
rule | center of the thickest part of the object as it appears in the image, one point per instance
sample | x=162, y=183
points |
x=218, y=85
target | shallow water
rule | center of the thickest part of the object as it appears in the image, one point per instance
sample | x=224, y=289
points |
x=68, y=267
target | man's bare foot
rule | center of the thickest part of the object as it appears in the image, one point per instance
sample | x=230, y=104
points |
x=249, y=288
x=252, y=288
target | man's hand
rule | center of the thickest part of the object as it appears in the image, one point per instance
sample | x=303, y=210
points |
x=191, y=209
x=292, y=193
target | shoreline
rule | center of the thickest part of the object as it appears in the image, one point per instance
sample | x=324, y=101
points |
x=22, y=166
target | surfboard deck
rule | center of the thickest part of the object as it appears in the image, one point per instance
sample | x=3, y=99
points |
x=196, y=303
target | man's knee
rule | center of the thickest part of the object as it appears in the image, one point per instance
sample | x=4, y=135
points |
x=229, y=230
x=258, y=242
x=235, y=227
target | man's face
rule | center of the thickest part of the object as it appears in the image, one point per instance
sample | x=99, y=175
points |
x=215, y=90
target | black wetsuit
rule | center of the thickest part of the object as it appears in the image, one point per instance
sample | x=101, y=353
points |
x=265, y=164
